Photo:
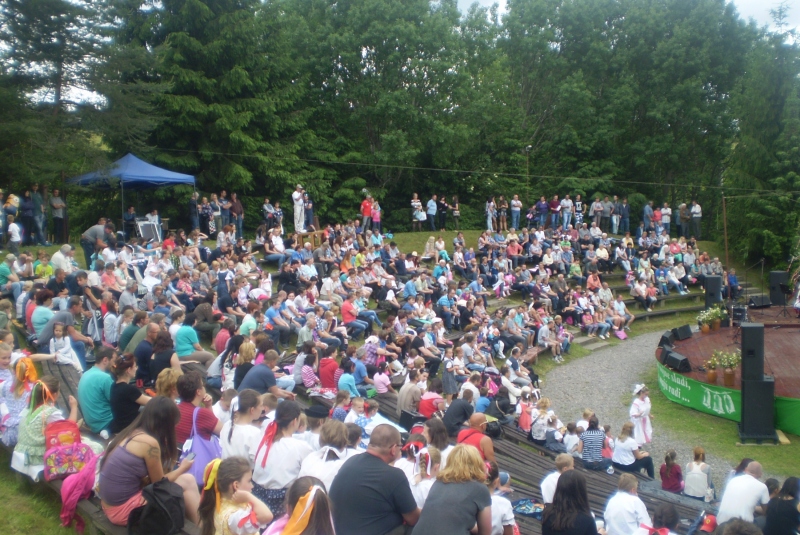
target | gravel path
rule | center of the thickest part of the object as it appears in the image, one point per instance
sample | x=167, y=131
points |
x=603, y=381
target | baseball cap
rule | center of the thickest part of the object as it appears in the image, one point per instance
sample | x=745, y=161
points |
x=709, y=524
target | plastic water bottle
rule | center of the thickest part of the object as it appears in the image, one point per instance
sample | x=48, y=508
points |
x=610, y=470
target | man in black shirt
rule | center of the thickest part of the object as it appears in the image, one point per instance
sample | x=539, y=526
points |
x=458, y=413
x=431, y=360
x=57, y=284
x=368, y=495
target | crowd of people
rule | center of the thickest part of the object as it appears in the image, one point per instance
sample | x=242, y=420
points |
x=132, y=321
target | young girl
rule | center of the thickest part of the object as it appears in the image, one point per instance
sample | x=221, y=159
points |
x=383, y=383
x=588, y=323
x=341, y=405
x=308, y=510
x=524, y=409
x=14, y=397
x=409, y=463
x=239, y=437
x=227, y=506
x=28, y=456
x=553, y=437
x=502, y=511
x=608, y=443
x=61, y=347
x=671, y=474
x=449, y=384
x=430, y=461
x=244, y=362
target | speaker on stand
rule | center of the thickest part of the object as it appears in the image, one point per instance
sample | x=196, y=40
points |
x=758, y=390
x=776, y=294
x=713, y=285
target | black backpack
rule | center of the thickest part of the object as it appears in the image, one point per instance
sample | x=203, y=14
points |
x=164, y=512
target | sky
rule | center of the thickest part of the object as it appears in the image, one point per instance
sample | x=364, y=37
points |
x=755, y=9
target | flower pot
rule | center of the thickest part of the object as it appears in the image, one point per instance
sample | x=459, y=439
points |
x=715, y=324
x=728, y=377
x=705, y=328
x=711, y=377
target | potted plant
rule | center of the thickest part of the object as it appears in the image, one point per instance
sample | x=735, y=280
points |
x=717, y=315
x=704, y=321
x=711, y=369
x=728, y=361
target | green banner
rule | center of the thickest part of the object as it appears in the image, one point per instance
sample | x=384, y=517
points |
x=711, y=399
x=721, y=401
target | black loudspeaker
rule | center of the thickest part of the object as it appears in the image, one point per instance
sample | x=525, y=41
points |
x=776, y=295
x=739, y=314
x=676, y=361
x=758, y=408
x=759, y=301
x=665, y=350
x=684, y=332
x=409, y=418
x=752, y=351
x=713, y=285
x=667, y=339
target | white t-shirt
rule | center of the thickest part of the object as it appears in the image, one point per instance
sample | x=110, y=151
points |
x=316, y=465
x=696, y=211
x=283, y=463
x=407, y=467
x=742, y=495
x=173, y=330
x=570, y=442
x=218, y=410
x=297, y=199
x=623, y=451
x=624, y=513
x=445, y=452
x=421, y=490
x=243, y=443
x=549, y=486
x=502, y=514
x=13, y=233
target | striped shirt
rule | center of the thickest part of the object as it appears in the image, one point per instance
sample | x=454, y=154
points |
x=593, y=440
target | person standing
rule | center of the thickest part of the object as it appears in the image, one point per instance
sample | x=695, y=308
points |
x=567, y=207
x=666, y=218
x=640, y=415
x=366, y=212
x=697, y=218
x=194, y=214
x=224, y=208
x=57, y=206
x=684, y=218
x=615, y=215
x=608, y=210
x=441, y=211
x=648, y=215
x=38, y=216
x=431, y=208
x=308, y=212
x=237, y=214
x=299, y=209
x=516, y=209
x=624, y=216
x=94, y=238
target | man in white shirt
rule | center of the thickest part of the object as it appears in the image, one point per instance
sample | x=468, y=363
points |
x=625, y=511
x=564, y=463
x=62, y=259
x=299, y=209
x=697, y=216
x=744, y=495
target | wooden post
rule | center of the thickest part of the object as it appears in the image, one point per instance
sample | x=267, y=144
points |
x=725, y=231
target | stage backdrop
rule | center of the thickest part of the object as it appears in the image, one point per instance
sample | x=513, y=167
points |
x=721, y=401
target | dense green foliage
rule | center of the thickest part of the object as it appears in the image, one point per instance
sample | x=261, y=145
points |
x=662, y=99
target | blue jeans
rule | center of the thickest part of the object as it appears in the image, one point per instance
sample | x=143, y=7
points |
x=226, y=219
x=432, y=221
x=624, y=225
x=357, y=327
x=279, y=258
x=553, y=220
x=368, y=316
x=214, y=382
x=447, y=316
x=39, y=224
x=16, y=289
x=566, y=218
x=238, y=220
x=285, y=383
x=195, y=221
x=515, y=219
x=489, y=222
x=332, y=342
x=80, y=352
x=543, y=219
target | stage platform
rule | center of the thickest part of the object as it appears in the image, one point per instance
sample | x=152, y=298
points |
x=781, y=361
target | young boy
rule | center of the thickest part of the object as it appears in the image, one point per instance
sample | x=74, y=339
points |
x=356, y=410
x=14, y=236
x=44, y=270
x=222, y=408
x=483, y=401
x=571, y=440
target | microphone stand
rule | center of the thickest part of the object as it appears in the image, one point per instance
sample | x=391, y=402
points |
x=746, y=288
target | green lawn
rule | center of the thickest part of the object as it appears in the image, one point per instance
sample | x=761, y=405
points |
x=719, y=435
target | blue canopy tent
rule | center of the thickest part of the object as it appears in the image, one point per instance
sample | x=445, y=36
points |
x=131, y=173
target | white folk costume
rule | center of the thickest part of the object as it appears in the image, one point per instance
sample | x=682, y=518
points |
x=640, y=416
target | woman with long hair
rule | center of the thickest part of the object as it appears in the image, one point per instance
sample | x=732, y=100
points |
x=125, y=398
x=459, y=499
x=164, y=355
x=783, y=510
x=435, y=432
x=308, y=510
x=570, y=511
x=143, y=453
x=628, y=457
x=279, y=456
